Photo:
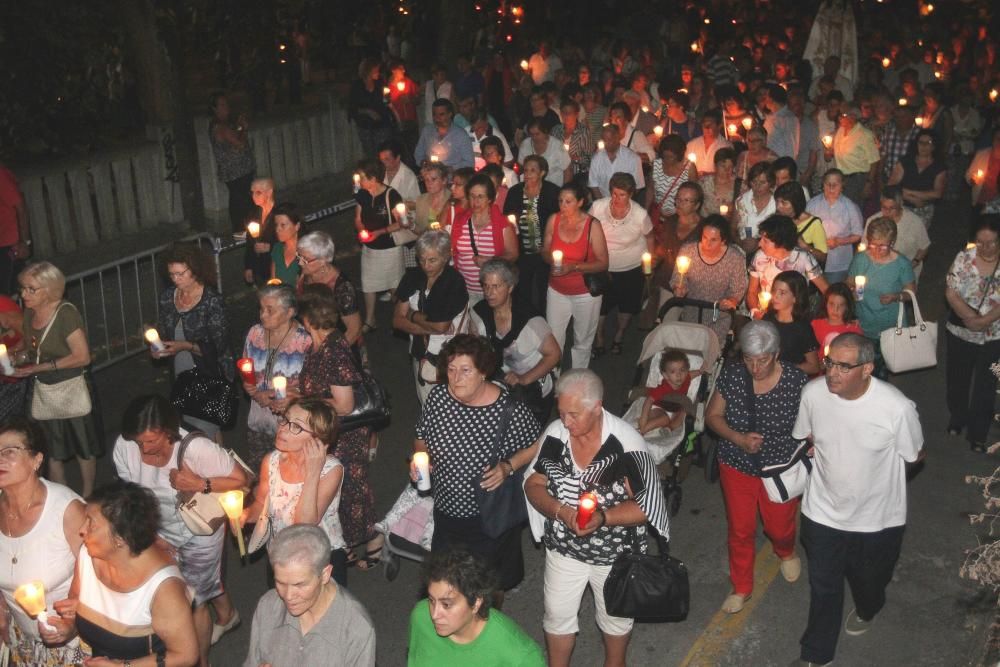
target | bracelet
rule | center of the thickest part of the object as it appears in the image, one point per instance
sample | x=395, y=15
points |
x=559, y=509
x=604, y=518
x=208, y=485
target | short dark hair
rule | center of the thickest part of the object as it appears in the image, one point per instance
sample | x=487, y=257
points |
x=467, y=573
x=674, y=144
x=194, y=258
x=716, y=221
x=724, y=154
x=622, y=180
x=786, y=163
x=673, y=356
x=444, y=103
x=494, y=172
x=484, y=181
x=835, y=96
x=841, y=290
x=781, y=231
x=988, y=222
x=791, y=192
x=777, y=93
x=543, y=164
x=797, y=283
x=495, y=143
x=577, y=189
x=133, y=512
x=318, y=306
x=762, y=168
x=372, y=169
x=31, y=435
x=393, y=145
x=290, y=211
x=477, y=348
x=151, y=412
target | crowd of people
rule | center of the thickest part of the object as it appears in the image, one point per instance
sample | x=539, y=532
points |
x=538, y=195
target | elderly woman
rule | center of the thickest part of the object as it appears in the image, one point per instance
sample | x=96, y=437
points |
x=670, y=171
x=754, y=206
x=40, y=524
x=720, y=187
x=192, y=322
x=257, y=252
x=430, y=207
x=753, y=410
x=973, y=333
x=316, y=253
x=277, y=345
x=756, y=153
x=779, y=251
x=922, y=174
x=790, y=201
x=330, y=371
x=539, y=142
x=149, y=452
x=532, y=202
x=672, y=232
x=841, y=221
x=57, y=353
x=589, y=450
x=628, y=233
x=375, y=220
x=431, y=306
x=579, y=241
x=912, y=240
x=461, y=431
x=887, y=275
x=717, y=273
x=789, y=312
x=13, y=390
x=128, y=599
x=458, y=205
x=284, y=252
x=521, y=338
x=300, y=480
x=481, y=234
x=234, y=157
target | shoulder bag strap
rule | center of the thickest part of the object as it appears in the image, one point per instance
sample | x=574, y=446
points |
x=185, y=441
x=472, y=238
x=52, y=320
x=808, y=225
x=505, y=417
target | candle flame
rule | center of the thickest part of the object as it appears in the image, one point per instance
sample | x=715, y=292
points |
x=232, y=503
x=747, y=123
x=860, y=281
x=400, y=86
x=683, y=264
x=152, y=336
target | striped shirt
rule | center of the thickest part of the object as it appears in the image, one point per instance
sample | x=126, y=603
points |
x=464, y=259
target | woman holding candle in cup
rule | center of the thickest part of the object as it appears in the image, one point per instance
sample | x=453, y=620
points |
x=754, y=206
x=128, y=599
x=375, y=220
x=886, y=275
x=589, y=450
x=429, y=209
x=40, y=525
x=148, y=453
x=788, y=310
x=779, y=251
x=574, y=245
x=668, y=235
x=481, y=234
x=671, y=170
x=720, y=188
x=260, y=233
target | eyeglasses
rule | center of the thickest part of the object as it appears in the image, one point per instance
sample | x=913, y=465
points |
x=844, y=369
x=31, y=290
x=880, y=246
x=9, y=454
x=305, y=260
x=177, y=274
x=293, y=427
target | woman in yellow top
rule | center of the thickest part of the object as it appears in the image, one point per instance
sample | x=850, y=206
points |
x=789, y=200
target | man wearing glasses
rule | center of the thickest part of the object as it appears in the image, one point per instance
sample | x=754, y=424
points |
x=863, y=432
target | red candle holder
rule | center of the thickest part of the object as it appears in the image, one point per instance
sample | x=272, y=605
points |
x=245, y=367
x=585, y=509
x=364, y=236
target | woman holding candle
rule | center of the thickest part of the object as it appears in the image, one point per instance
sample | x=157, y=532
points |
x=887, y=274
x=836, y=316
x=788, y=310
x=842, y=223
x=672, y=232
x=430, y=207
x=128, y=600
x=521, y=338
x=753, y=410
x=57, y=350
x=973, y=333
x=628, y=232
x=717, y=272
x=754, y=206
x=284, y=252
x=790, y=201
x=13, y=390
x=574, y=245
x=460, y=429
x=532, y=202
x=757, y=153
x=300, y=481
x=375, y=220
x=276, y=346
x=316, y=253
x=432, y=305
x=670, y=171
x=148, y=453
x=923, y=174
x=260, y=238
x=589, y=450
x=720, y=188
x=481, y=234
x=192, y=322
x=779, y=251
x=459, y=203
x=330, y=371
x=40, y=525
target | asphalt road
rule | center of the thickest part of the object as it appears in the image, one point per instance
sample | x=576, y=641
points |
x=932, y=616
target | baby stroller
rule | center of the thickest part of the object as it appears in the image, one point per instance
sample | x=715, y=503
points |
x=673, y=450
x=407, y=529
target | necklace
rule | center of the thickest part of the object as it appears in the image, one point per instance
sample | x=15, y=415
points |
x=11, y=515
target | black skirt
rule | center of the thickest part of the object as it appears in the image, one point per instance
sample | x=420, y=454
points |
x=503, y=553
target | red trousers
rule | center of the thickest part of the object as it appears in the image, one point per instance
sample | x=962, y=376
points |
x=744, y=496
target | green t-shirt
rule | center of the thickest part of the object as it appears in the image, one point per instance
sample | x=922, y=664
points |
x=501, y=644
x=873, y=315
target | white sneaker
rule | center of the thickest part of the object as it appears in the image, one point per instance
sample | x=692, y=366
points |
x=219, y=630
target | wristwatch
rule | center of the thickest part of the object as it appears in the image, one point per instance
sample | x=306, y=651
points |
x=208, y=486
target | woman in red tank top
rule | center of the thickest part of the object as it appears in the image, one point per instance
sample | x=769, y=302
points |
x=574, y=245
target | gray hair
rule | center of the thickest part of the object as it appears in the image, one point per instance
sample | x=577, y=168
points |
x=502, y=269
x=435, y=240
x=583, y=383
x=759, y=337
x=48, y=276
x=285, y=294
x=864, y=346
x=300, y=543
x=319, y=245
x=893, y=192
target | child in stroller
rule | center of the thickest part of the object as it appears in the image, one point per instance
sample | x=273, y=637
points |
x=667, y=405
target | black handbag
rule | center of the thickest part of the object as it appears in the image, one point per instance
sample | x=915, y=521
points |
x=597, y=282
x=371, y=405
x=504, y=507
x=212, y=399
x=652, y=589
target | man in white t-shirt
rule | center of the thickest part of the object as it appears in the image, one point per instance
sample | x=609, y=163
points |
x=863, y=432
x=610, y=160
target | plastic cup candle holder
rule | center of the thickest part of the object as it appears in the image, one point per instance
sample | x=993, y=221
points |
x=400, y=86
x=585, y=509
x=423, y=465
x=600, y=145
x=245, y=366
x=692, y=157
x=557, y=259
x=828, y=141
x=524, y=65
x=723, y=209
x=274, y=281
x=826, y=350
x=919, y=121
x=971, y=245
x=994, y=93
x=8, y=367
x=859, y=287
x=862, y=246
x=280, y=385
x=658, y=131
x=902, y=101
x=886, y=62
x=364, y=236
x=764, y=299
x=647, y=263
x=31, y=597
x=732, y=128
x=253, y=229
x=357, y=182
x=435, y=158
x=747, y=123
x=435, y=225
x=232, y=505
x=152, y=337
x=683, y=264
x=979, y=175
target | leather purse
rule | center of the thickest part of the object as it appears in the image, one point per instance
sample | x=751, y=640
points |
x=202, y=512
x=504, y=507
x=60, y=400
x=262, y=529
x=597, y=282
x=213, y=399
x=371, y=405
x=910, y=348
x=654, y=589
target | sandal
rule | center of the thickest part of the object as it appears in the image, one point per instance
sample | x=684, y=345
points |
x=368, y=328
x=371, y=559
x=616, y=347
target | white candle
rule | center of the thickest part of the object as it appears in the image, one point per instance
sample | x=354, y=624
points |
x=400, y=86
x=401, y=213
x=524, y=65
x=979, y=175
x=357, y=183
x=232, y=504
x=435, y=158
x=993, y=95
x=827, y=141
x=422, y=463
x=692, y=158
x=862, y=246
x=902, y=101
x=280, y=384
x=647, y=263
x=600, y=145
x=859, y=286
x=732, y=128
x=8, y=368
x=747, y=123
x=886, y=62
x=919, y=121
x=152, y=337
x=557, y=259
x=253, y=229
x=723, y=209
x=683, y=264
x=658, y=131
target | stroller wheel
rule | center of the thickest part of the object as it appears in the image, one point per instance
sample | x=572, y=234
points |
x=391, y=566
x=673, y=498
x=711, y=461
